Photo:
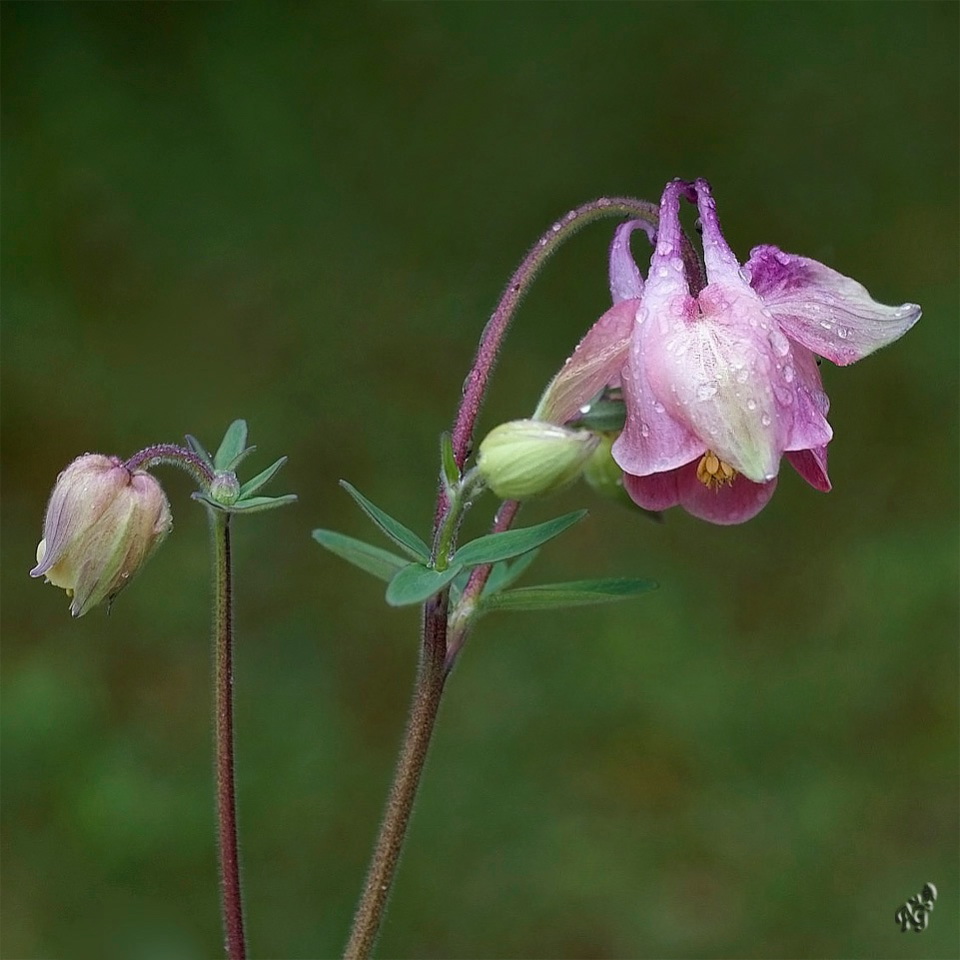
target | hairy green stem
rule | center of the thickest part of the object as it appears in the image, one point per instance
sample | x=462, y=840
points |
x=230, y=889
x=434, y=656
x=413, y=756
x=171, y=454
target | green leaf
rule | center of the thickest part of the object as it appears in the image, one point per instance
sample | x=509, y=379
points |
x=239, y=458
x=394, y=529
x=258, y=504
x=197, y=447
x=503, y=573
x=451, y=473
x=381, y=563
x=576, y=593
x=416, y=583
x=502, y=546
x=232, y=445
x=261, y=479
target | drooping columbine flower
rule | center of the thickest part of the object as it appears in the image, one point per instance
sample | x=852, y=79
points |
x=102, y=523
x=720, y=383
x=529, y=458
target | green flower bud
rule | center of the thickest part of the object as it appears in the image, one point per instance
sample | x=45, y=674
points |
x=225, y=488
x=102, y=523
x=605, y=477
x=602, y=472
x=528, y=458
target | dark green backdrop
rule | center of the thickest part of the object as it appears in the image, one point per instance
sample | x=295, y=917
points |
x=302, y=215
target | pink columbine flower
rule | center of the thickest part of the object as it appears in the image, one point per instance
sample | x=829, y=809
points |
x=721, y=383
x=102, y=524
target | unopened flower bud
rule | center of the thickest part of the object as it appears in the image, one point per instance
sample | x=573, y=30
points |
x=602, y=472
x=527, y=458
x=102, y=523
x=605, y=477
x=225, y=488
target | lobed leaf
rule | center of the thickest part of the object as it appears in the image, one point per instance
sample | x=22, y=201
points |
x=394, y=529
x=261, y=479
x=416, y=583
x=512, y=543
x=575, y=593
x=231, y=446
x=381, y=563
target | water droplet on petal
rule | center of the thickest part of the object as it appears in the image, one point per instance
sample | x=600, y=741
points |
x=751, y=404
x=779, y=342
x=788, y=373
x=707, y=390
x=765, y=420
x=843, y=333
x=644, y=430
x=659, y=407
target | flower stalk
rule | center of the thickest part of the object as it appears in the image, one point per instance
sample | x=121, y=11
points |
x=230, y=888
x=436, y=653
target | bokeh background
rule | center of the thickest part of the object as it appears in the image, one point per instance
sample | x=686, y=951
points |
x=302, y=214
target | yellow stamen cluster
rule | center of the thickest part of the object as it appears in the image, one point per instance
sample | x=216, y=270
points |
x=713, y=472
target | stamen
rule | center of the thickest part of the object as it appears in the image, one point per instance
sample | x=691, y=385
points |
x=713, y=472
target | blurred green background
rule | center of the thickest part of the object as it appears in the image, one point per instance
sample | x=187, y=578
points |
x=302, y=214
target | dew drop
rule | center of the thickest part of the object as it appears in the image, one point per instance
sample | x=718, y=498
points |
x=644, y=430
x=765, y=420
x=843, y=333
x=707, y=390
x=751, y=404
x=779, y=342
x=659, y=407
x=788, y=373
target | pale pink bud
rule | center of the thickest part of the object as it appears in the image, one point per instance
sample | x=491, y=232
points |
x=102, y=523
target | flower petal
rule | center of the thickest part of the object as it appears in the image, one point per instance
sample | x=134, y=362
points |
x=810, y=428
x=652, y=440
x=717, y=370
x=596, y=363
x=83, y=491
x=720, y=261
x=822, y=309
x=626, y=281
x=728, y=504
x=658, y=491
x=812, y=466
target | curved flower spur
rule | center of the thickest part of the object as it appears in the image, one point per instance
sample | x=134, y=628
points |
x=719, y=383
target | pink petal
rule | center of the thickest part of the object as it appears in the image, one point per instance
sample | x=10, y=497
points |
x=810, y=427
x=626, y=281
x=716, y=368
x=822, y=309
x=727, y=504
x=596, y=363
x=655, y=492
x=812, y=466
x=720, y=261
x=652, y=441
